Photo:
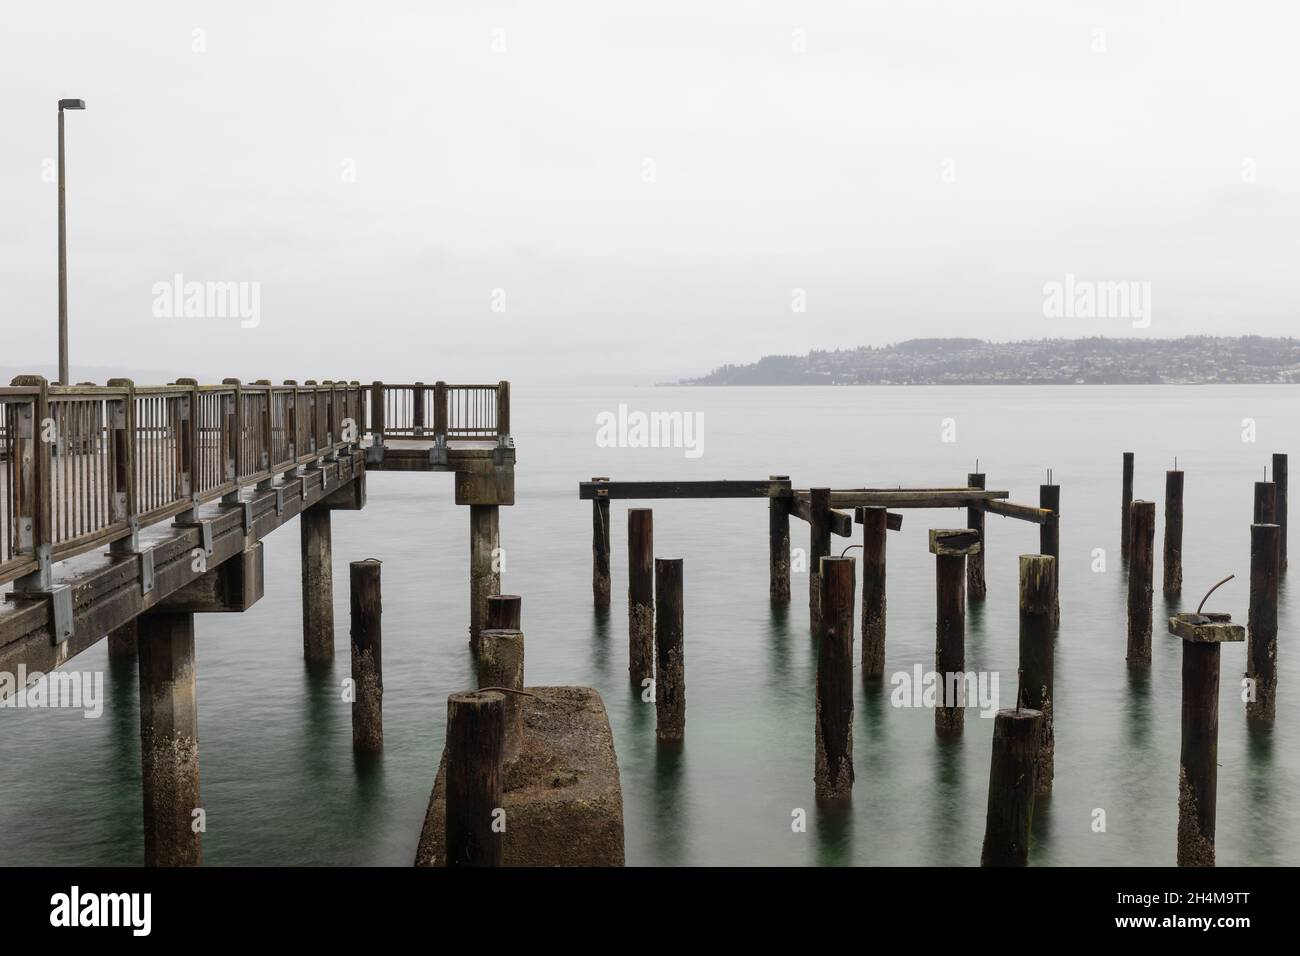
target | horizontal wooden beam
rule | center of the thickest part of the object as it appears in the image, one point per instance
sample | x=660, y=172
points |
x=1024, y=512
x=893, y=520
x=909, y=498
x=841, y=523
x=683, y=489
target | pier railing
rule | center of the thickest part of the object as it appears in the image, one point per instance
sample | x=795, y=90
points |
x=86, y=466
x=439, y=412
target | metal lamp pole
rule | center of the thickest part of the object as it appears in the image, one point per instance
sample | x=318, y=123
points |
x=63, y=249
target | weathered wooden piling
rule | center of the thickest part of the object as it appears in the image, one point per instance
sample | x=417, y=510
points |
x=1038, y=591
x=833, y=764
x=819, y=546
x=1126, y=494
x=504, y=612
x=1173, y=557
x=874, y=533
x=122, y=641
x=640, y=594
x=1265, y=507
x=1049, y=540
x=501, y=666
x=1261, y=649
x=975, y=586
x=1141, y=580
x=670, y=670
x=950, y=548
x=169, y=740
x=1198, y=759
x=484, y=566
x=475, y=824
x=317, y=586
x=778, y=545
x=1016, y=736
x=1279, y=479
x=600, y=546
x=366, y=601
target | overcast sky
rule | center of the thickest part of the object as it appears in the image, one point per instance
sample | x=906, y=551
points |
x=644, y=187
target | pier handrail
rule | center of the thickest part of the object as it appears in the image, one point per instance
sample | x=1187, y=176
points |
x=84, y=466
x=438, y=411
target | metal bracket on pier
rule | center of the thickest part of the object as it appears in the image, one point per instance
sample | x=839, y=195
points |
x=205, y=531
x=279, y=499
x=499, y=453
x=61, y=611
x=375, y=451
x=438, y=453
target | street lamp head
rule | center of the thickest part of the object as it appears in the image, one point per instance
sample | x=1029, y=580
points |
x=72, y=104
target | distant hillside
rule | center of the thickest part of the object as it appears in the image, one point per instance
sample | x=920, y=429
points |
x=1196, y=360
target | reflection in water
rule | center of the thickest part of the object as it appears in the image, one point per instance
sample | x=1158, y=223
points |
x=672, y=828
x=600, y=642
x=1261, y=824
x=1138, y=711
x=946, y=830
x=778, y=644
x=834, y=824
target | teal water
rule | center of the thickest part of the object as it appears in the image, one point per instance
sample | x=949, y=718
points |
x=281, y=786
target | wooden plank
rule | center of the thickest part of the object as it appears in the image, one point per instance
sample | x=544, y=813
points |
x=1024, y=512
x=841, y=523
x=685, y=489
x=893, y=520
x=909, y=498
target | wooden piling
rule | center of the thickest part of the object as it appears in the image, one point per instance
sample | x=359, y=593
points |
x=1016, y=736
x=640, y=594
x=950, y=548
x=778, y=544
x=1279, y=479
x=1038, y=590
x=1125, y=534
x=1198, y=760
x=484, y=569
x=317, y=586
x=366, y=602
x=504, y=612
x=975, y=586
x=819, y=546
x=833, y=764
x=1141, y=580
x=670, y=670
x=1265, y=509
x=1173, y=557
x=501, y=665
x=1049, y=541
x=874, y=533
x=600, y=547
x=1261, y=649
x=169, y=740
x=475, y=779
x=122, y=641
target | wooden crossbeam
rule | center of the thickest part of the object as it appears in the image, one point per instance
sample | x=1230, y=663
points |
x=909, y=498
x=893, y=520
x=841, y=523
x=1023, y=512
x=683, y=489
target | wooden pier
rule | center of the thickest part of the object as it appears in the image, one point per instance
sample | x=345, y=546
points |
x=128, y=509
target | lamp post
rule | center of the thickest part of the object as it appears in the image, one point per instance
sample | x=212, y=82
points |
x=64, y=377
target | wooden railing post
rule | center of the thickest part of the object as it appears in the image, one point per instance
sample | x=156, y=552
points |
x=32, y=505
x=440, y=412
x=189, y=435
x=377, y=413
x=503, y=411
x=124, y=499
x=238, y=425
x=417, y=410
x=291, y=419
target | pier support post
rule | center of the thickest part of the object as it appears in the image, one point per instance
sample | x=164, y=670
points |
x=501, y=665
x=874, y=533
x=1127, y=498
x=600, y=546
x=640, y=594
x=317, y=586
x=1049, y=541
x=819, y=546
x=1038, y=591
x=1141, y=580
x=975, y=586
x=1265, y=507
x=122, y=641
x=1173, y=560
x=1198, y=759
x=1016, y=735
x=1279, y=479
x=833, y=764
x=670, y=672
x=169, y=740
x=950, y=548
x=475, y=778
x=484, y=573
x=366, y=599
x=778, y=545
x=1261, y=649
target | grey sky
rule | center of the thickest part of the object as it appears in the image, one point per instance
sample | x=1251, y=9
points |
x=922, y=169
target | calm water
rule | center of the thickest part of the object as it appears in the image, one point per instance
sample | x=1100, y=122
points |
x=281, y=786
